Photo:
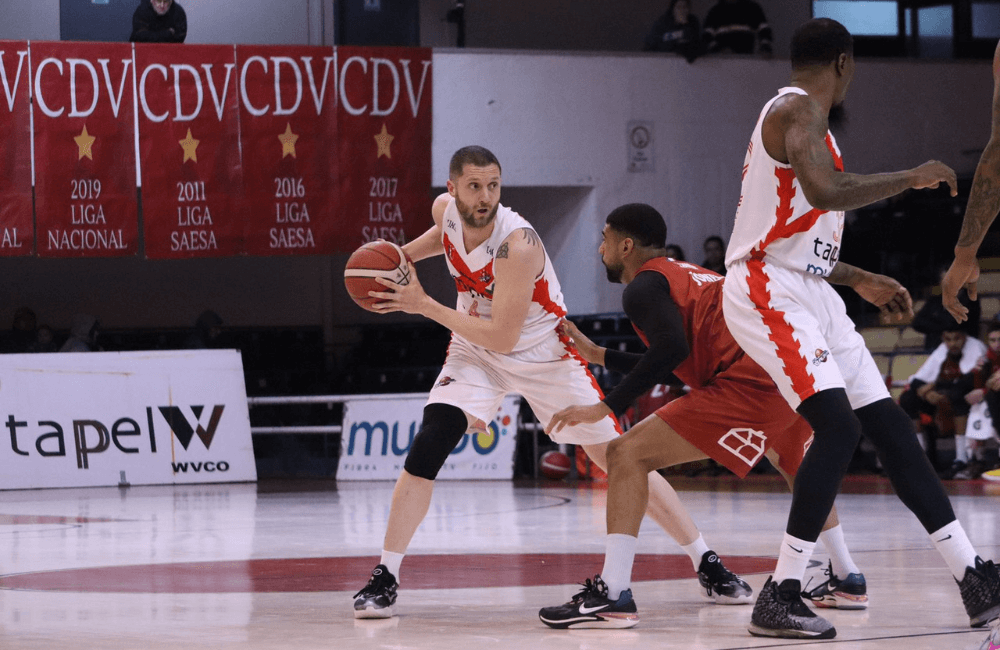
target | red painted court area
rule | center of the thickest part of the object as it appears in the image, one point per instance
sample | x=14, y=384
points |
x=347, y=573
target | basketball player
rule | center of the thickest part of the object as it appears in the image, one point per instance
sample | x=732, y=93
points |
x=984, y=203
x=504, y=340
x=733, y=413
x=781, y=309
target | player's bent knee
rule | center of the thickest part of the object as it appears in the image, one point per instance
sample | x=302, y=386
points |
x=442, y=429
x=624, y=452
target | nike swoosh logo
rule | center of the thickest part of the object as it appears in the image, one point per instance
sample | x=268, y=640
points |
x=944, y=538
x=797, y=550
x=590, y=610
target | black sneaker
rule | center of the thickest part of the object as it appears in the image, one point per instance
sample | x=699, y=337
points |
x=780, y=612
x=980, y=590
x=720, y=584
x=378, y=598
x=592, y=608
x=847, y=593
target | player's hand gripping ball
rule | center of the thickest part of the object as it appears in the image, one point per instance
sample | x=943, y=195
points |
x=377, y=259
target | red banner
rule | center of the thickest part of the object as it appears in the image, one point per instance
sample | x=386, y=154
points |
x=85, y=171
x=384, y=120
x=288, y=128
x=189, y=147
x=17, y=232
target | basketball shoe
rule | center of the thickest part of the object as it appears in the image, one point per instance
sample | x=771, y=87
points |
x=849, y=593
x=720, y=584
x=378, y=598
x=992, y=642
x=592, y=608
x=780, y=612
x=980, y=589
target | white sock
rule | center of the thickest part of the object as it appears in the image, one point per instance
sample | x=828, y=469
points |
x=392, y=561
x=793, y=559
x=696, y=550
x=840, y=555
x=956, y=549
x=961, y=450
x=619, y=555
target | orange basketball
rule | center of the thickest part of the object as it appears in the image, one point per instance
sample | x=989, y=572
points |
x=554, y=465
x=377, y=259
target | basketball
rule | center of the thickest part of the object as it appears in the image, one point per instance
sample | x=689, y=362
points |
x=377, y=259
x=554, y=465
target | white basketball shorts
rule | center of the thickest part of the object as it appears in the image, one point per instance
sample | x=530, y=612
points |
x=550, y=376
x=796, y=327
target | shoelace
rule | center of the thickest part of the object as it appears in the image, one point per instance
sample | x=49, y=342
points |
x=590, y=587
x=372, y=582
x=828, y=572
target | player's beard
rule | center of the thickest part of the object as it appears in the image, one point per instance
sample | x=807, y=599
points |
x=614, y=272
x=837, y=119
x=469, y=217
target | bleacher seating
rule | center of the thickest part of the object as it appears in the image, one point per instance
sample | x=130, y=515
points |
x=910, y=338
x=989, y=307
x=904, y=365
x=989, y=282
x=881, y=339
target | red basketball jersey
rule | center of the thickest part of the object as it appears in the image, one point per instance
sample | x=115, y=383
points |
x=697, y=293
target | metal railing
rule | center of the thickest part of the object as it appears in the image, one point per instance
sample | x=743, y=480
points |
x=316, y=399
x=533, y=425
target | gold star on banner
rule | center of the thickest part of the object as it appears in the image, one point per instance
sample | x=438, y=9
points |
x=85, y=143
x=190, y=146
x=288, y=141
x=383, y=140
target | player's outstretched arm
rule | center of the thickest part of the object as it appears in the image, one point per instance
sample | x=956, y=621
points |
x=804, y=146
x=984, y=203
x=429, y=244
x=891, y=297
x=519, y=260
x=590, y=351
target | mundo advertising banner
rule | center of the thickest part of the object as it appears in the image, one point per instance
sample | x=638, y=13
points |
x=84, y=143
x=378, y=433
x=17, y=229
x=289, y=127
x=189, y=147
x=106, y=418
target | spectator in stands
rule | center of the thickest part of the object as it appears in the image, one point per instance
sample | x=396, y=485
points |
x=932, y=319
x=735, y=26
x=83, y=334
x=45, y=340
x=675, y=252
x=939, y=387
x=715, y=255
x=677, y=31
x=207, y=330
x=158, y=21
x=986, y=379
x=22, y=332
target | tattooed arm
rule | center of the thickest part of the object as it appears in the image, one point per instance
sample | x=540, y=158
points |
x=892, y=298
x=984, y=203
x=794, y=131
x=519, y=260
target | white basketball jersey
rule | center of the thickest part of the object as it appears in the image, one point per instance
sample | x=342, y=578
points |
x=473, y=274
x=774, y=222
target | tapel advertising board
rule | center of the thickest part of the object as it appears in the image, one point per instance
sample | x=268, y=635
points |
x=107, y=418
